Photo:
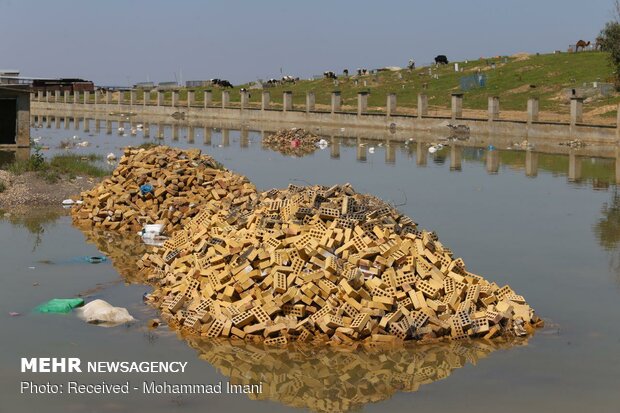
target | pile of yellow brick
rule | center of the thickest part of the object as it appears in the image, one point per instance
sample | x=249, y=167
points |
x=323, y=264
x=181, y=181
x=293, y=141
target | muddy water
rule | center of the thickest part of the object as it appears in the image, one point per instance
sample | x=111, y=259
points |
x=550, y=231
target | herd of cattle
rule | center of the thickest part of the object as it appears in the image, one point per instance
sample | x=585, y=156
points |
x=439, y=60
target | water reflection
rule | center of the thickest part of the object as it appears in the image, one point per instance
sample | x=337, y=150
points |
x=35, y=220
x=337, y=379
x=122, y=250
x=595, y=166
x=607, y=231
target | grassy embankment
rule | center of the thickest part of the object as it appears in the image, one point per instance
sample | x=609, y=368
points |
x=59, y=166
x=514, y=79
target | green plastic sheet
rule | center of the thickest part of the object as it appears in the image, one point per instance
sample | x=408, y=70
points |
x=60, y=305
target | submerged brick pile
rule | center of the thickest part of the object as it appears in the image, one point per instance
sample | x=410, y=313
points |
x=180, y=180
x=323, y=264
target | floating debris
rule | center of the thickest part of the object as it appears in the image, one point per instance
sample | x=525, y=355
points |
x=295, y=141
x=574, y=144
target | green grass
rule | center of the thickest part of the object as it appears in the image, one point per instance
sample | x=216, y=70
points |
x=2, y=186
x=70, y=165
x=549, y=73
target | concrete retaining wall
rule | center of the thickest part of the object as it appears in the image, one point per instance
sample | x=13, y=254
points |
x=399, y=123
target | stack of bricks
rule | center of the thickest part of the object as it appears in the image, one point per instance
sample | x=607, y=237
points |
x=295, y=141
x=334, y=378
x=181, y=181
x=319, y=264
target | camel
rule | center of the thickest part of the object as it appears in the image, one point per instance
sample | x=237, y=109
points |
x=582, y=44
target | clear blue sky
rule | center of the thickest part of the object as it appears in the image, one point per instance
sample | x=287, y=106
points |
x=116, y=42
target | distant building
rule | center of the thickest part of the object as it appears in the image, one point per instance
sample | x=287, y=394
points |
x=14, y=115
x=9, y=77
x=63, y=85
x=144, y=85
x=167, y=85
x=197, y=83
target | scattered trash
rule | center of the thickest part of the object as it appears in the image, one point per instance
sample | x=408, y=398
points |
x=68, y=202
x=153, y=323
x=146, y=189
x=96, y=259
x=371, y=149
x=521, y=145
x=574, y=144
x=59, y=305
x=14, y=314
x=459, y=129
x=83, y=144
x=322, y=144
x=491, y=147
x=111, y=157
x=104, y=314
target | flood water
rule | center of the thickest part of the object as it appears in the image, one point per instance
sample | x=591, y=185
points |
x=547, y=225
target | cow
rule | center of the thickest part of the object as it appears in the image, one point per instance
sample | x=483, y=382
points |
x=345, y=72
x=441, y=59
x=289, y=79
x=221, y=83
x=329, y=75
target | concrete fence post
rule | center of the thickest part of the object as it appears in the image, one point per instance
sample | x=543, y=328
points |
x=32, y=96
x=225, y=99
x=146, y=97
x=86, y=97
x=121, y=97
x=362, y=103
x=618, y=122
x=336, y=102
x=175, y=98
x=391, y=104
x=57, y=96
x=191, y=98
x=48, y=95
x=493, y=108
x=310, y=101
x=244, y=98
x=422, y=105
x=265, y=99
x=133, y=97
x=287, y=101
x=576, y=110
x=457, y=105
x=207, y=98
x=532, y=110
x=108, y=97
x=39, y=96
x=160, y=98
x=76, y=96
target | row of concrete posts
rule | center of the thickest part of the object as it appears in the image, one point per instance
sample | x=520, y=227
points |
x=576, y=104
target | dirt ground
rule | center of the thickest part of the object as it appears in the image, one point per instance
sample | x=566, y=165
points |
x=30, y=190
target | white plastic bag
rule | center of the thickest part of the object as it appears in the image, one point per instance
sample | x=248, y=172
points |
x=103, y=313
